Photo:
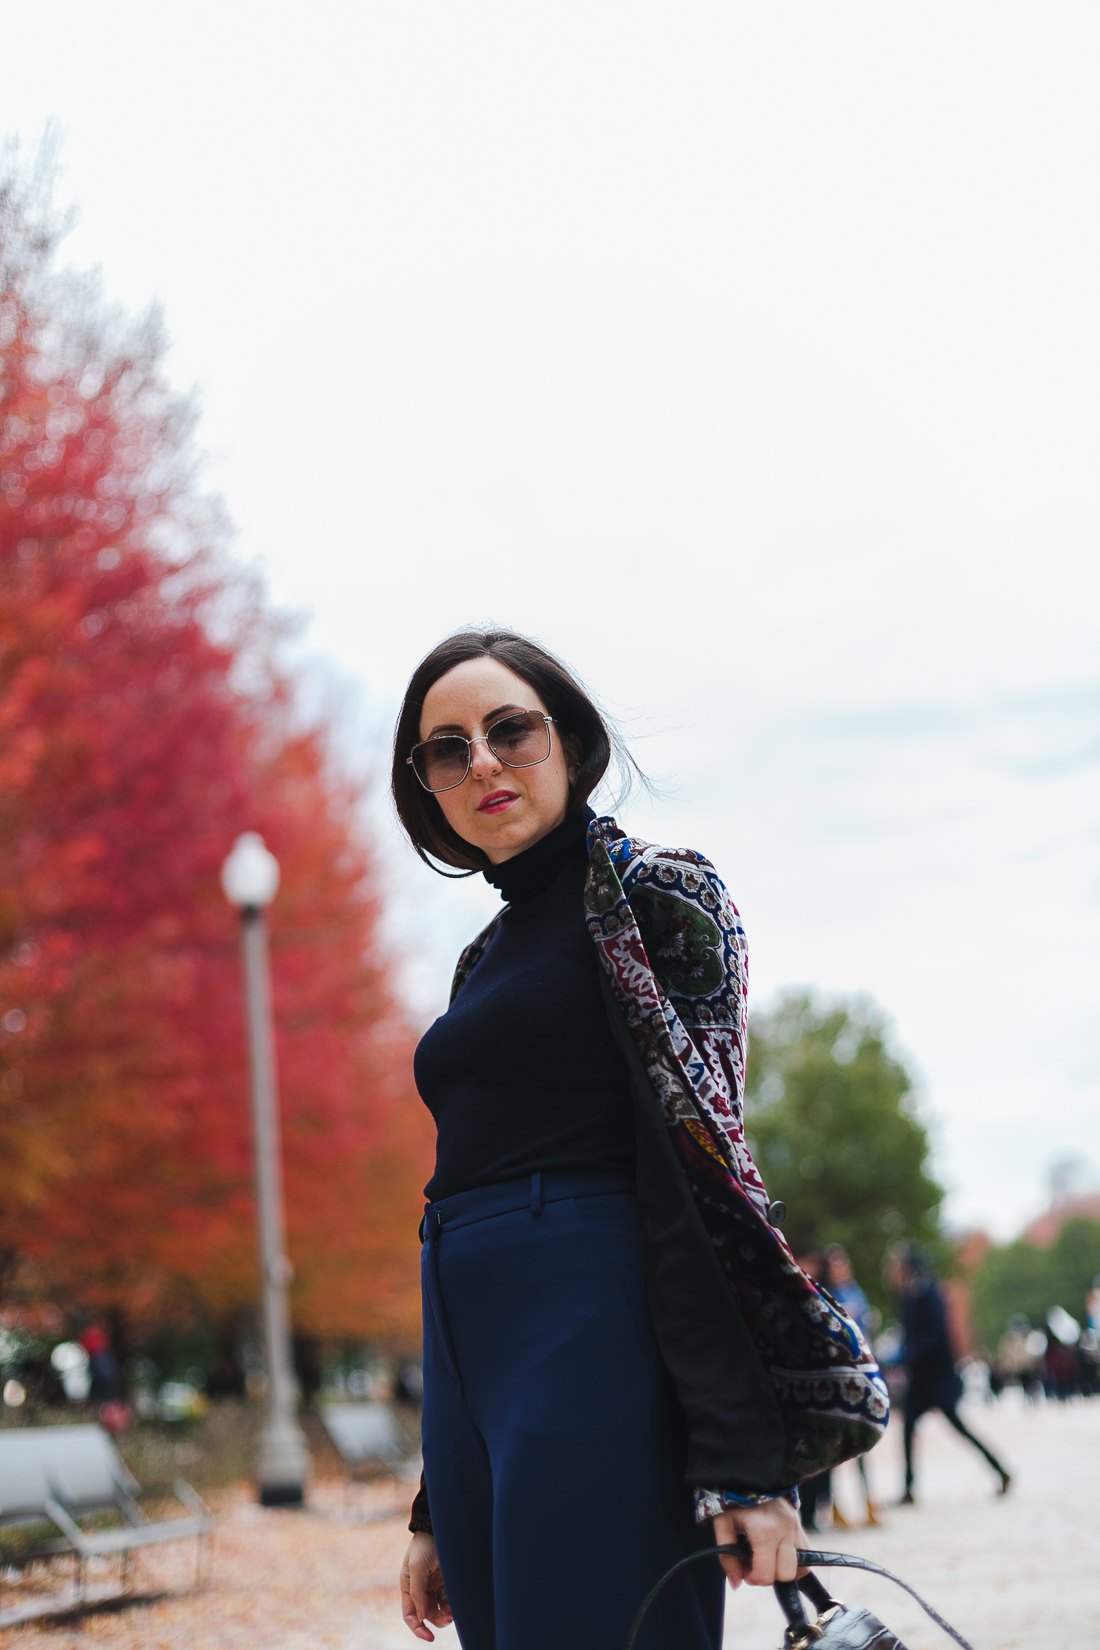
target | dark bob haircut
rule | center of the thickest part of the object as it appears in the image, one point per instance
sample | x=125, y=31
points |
x=565, y=700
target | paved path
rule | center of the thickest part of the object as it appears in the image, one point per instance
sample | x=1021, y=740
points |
x=1018, y=1573
x=1013, y=1574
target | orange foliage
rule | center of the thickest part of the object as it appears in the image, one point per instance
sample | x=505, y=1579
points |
x=142, y=727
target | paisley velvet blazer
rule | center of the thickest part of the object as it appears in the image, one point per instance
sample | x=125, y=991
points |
x=775, y=1379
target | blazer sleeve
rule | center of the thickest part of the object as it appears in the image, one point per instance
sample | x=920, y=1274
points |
x=420, y=1519
x=735, y=1432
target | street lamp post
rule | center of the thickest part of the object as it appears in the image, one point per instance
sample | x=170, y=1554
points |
x=250, y=879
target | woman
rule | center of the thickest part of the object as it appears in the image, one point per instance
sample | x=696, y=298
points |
x=621, y=1361
x=834, y=1268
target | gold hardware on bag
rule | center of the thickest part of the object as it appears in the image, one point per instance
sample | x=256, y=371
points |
x=814, y=1630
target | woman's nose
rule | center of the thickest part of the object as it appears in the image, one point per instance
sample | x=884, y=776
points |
x=482, y=760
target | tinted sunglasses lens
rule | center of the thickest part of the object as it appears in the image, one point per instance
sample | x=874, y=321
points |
x=520, y=741
x=441, y=763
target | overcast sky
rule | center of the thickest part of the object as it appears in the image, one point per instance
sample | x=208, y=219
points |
x=747, y=355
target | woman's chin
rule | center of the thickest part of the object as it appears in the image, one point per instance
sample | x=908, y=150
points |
x=503, y=836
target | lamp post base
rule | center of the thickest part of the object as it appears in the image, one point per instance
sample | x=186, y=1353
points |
x=282, y=1465
x=282, y=1495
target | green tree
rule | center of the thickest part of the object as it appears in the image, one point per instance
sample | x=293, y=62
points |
x=1023, y=1279
x=831, y=1118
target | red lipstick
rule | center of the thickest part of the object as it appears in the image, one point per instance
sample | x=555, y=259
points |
x=496, y=802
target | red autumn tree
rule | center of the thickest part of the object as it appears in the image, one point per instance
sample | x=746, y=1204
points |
x=143, y=725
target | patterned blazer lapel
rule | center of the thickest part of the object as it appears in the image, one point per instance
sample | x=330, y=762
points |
x=691, y=1037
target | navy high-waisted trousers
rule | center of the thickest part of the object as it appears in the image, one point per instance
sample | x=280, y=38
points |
x=553, y=1442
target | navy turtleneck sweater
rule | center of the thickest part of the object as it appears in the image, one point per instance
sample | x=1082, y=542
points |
x=522, y=1072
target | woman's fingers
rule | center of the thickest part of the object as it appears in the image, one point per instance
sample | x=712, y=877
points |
x=786, y=1558
x=440, y=1613
x=411, y=1614
x=416, y=1623
x=412, y=1610
x=762, y=1573
x=725, y=1535
x=735, y=1570
x=422, y=1597
x=772, y=1559
x=773, y=1531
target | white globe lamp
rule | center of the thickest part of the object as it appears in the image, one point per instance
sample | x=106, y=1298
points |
x=250, y=875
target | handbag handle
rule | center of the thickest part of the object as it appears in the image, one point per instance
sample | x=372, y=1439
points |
x=791, y=1604
x=806, y=1557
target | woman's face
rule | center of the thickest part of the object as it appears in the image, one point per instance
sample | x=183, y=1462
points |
x=840, y=1269
x=500, y=810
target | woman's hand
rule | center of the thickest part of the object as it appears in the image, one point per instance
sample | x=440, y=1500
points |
x=774, y=1533
x=423, y=1597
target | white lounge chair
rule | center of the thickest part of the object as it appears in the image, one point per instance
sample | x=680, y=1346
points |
x=367, y=1438
x=57, y=1475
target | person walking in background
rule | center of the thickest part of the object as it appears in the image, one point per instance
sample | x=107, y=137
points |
x=933, y=1381
x=840, y=1281
x=105, y=1390
x=816, y=1493
x=106, y=1387
x=621, y=1361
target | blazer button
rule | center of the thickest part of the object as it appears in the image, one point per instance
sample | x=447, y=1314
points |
x=777, y=1213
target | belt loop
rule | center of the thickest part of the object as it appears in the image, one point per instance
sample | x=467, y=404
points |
x=536, y=1194
x=431, y=1225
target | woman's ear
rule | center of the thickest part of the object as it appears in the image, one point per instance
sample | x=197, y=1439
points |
x=574, y=756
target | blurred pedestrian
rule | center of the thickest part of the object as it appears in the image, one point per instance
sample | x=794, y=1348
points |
x=106, y=1387
x=815, y=1494
x=933, y=1380
x=598, y=1403
x=1062, y=1377
x=105, y=1390
x=1016, y=1361
x=839, y=1279
x=1092, y=1306
x=409, y=1385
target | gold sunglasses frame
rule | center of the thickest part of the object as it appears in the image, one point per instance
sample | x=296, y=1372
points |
x=482, y=739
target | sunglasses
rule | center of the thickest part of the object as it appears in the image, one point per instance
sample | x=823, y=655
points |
x=518, y=740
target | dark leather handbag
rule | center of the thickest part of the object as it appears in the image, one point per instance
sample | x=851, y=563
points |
x=836, y=1626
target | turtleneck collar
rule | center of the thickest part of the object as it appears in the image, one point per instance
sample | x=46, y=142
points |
x=529, y=873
